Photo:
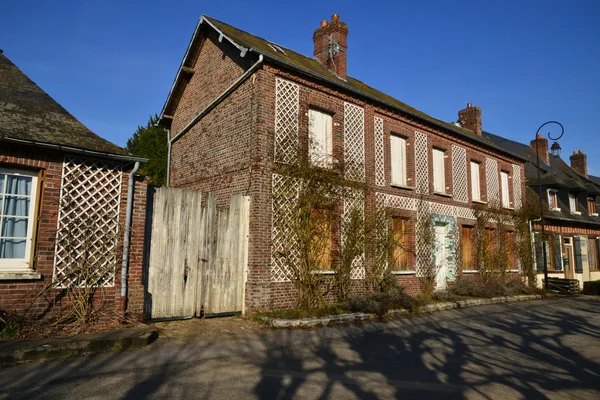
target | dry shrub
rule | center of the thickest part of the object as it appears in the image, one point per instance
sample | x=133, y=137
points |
x=380, y=303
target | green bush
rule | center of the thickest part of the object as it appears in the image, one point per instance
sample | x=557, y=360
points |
x=380, y=303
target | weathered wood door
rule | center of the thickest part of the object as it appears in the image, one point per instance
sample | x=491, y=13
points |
x=198, y=255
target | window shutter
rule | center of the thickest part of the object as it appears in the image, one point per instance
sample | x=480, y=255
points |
x=398, y=152
x=505, y=193
x=539, y=256
x=475, y=183
x=321, y=145
x=572, y=202
x=439, y=184
x=578, y=255
x=557, y=253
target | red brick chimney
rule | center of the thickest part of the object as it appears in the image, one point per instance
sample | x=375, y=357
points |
x=330, y=45
x=542, y=145
x=470, y=118
x=579, y=162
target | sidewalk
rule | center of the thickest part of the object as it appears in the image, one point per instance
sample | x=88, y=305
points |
x=18, y=351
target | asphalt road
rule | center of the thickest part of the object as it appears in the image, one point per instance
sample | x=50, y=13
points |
x=540, y=349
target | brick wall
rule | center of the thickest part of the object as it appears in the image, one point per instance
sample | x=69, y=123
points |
x=23, y=296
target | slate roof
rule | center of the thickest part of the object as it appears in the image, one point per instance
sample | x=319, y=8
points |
x=558, y=175
x=307, y=65
x=27, y=113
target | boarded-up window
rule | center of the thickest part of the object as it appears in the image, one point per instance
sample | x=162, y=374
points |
x=555, y=253
x=510, y=248
x=400, y=244
x=490, y=242
x=320, y=138
x=593, y=253
x=467, y=247
x=439, y=175
x=475, y=182
x=322, y=242
x=579, y=254
x=504, y=187
x=591, y=205
x=539, y=252
x=573, y=206
x=398, y=156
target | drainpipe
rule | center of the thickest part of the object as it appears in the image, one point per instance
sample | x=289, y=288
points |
x=168, y=156
x=126, y=240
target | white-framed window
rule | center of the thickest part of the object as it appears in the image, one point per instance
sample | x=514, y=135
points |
x=475, y=181
x=504, y=188
x=320, y=138
x=439, y=174
x=553, y=199
x=573, y=204
x=18, y=191
x=398, y=159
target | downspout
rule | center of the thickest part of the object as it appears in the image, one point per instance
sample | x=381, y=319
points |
x=168, y=156
x=126, y=239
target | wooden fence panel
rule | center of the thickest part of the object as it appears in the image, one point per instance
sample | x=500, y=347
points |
x=198, y=255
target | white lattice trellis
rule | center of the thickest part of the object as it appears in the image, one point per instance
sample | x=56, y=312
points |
x=459, y=174
x=354, y=199
x=517, y=186
x=88, y=223
x=422, y=163
x=287, y=95
x=354, y=142
x=491, y=176
x=379, y=153
x=285, y=195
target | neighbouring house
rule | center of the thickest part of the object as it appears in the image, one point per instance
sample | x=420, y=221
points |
x=244, y=113
x=63, y=206
x=569, y=204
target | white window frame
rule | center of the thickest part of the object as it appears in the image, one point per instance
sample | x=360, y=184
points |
x=554, y=192
x=439, y=170
x=8, y=265
x=320, y=128
x=573, y=206
x=398, y=160
x=475, y=181
x=504, y=187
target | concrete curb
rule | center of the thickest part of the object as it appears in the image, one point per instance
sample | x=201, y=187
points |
x=14, y=352
x=427, y=309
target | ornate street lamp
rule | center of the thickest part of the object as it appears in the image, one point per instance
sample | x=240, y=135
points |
x=555, y=151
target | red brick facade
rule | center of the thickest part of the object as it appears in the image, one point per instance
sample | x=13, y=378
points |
x=231, y=150
x=23, y=295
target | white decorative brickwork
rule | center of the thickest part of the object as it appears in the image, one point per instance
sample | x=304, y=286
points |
x=87, y=234
x=353, y=199
x=379, y=153
x=518, y=200
x=286, y=121
x=354, y=142
x=421, y=163
x=459, y=174
x=493, y=187
x=283, y=250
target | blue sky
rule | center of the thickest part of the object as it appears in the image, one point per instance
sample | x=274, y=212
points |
x=111, y=63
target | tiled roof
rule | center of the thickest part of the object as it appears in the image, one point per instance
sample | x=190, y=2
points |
x=311, y=66
x=28, y=113
x=557, y=175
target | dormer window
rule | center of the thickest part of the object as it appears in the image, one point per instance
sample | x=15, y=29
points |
x=553, y=200
x=592, y=207
x=573, y=204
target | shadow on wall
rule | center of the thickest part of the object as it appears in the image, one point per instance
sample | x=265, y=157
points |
x=521, y=351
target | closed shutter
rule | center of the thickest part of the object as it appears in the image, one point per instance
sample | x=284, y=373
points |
x=321, y=143
x=556, y=252
x=539, y=255
x=592, y=253
x=439, y=179
x=398, y=153
x=505, y=192
x=467, y=247
x=475, y=183
x=572, y=202
x=578, y=254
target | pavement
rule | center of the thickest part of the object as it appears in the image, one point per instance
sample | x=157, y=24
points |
x=538, y=349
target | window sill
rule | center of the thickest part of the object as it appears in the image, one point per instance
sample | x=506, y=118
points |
x=470, y=271
x=593, y=214
x=397, y=186
x=19, y=275
x=403, y=272
x=576, y=212
x=324, y=272
x=555, y=209
x=479, y=201
x=509, y=208
x=443, y=194
x=513, y=270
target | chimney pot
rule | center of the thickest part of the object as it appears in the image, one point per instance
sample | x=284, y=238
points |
x=324, y=24
x=328, y=34
x=335, y=18
x=469, y=105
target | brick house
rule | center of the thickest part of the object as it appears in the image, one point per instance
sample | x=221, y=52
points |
x=63, y=196
x=242, y=107
x=569, y=204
